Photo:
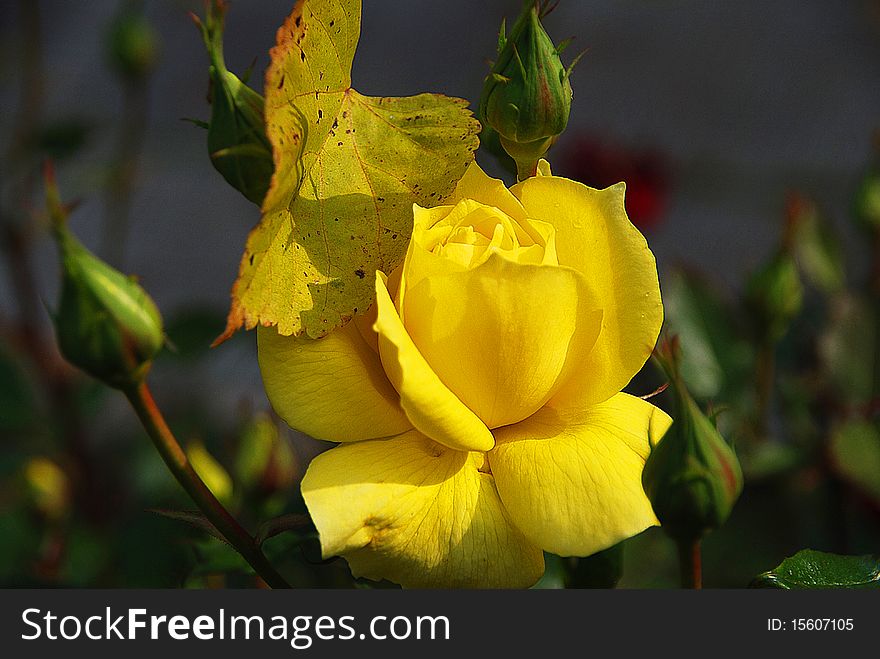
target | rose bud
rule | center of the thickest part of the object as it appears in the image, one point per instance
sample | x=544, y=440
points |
x=692, y=477
x=106, y=323
x=526, y=97
x=133, y=44
x=775, y=295
x=867, y=201
x=237, y=141
x=266, y=464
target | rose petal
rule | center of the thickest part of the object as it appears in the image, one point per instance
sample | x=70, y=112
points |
x=571, y=480
x=594, y=236
x=502, y=336
x=431, y=407
x=477, y=185
x=422, y=515
x=333, y=388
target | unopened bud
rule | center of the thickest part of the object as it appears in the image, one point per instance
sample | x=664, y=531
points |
x=526, y=97
x=775, y=295
x=237, y=141
x=867, y=201
x=106, y=323
x=266, y=463
x=692, y=477
x=133, y=44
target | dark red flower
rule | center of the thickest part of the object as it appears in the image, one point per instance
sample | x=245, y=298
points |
x=599, y=163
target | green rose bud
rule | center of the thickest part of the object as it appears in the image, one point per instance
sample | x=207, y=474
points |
x=133, y=44
x=527, y=96
x=867, y=201
x=266, y=465
x=106, y=323
x=692, y=477
x=775, y=295
x=237, y=141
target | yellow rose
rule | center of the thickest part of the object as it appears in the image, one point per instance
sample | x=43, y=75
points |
x=479, y=409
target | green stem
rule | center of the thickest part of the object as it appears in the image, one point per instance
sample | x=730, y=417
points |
x=142, y=401
x=526, y=170
x=691, y=564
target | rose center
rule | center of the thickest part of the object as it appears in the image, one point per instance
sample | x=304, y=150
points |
x=472, y=232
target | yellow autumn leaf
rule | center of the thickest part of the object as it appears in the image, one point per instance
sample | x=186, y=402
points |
x=348, y=169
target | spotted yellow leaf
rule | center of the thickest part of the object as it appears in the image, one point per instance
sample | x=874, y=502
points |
x=348, y=169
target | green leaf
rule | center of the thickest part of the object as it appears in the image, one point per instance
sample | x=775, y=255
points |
x=770, y=459
x=348, y=170
x=818, y=251
x=847, y=348
x=193, y=518
x=866, y=204
x=712, y=353
x=17, y=410
x=810, y=569
x=855, y=455
x=216, y=557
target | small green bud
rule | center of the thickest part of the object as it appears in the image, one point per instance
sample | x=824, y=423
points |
x=133, y=43
x=867, y=201
x=526, y=97
x=775, y=295
x=692, y=477
x=106, y=323
x=237, y=141
x=266, y=464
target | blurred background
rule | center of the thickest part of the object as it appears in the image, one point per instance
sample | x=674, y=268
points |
x=746, y=133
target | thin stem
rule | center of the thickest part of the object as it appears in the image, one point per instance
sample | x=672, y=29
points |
x=142, y=401
x=765, y=373
x=691, y=564
x=30, y=107
x=17, y=236
x=125, y=170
